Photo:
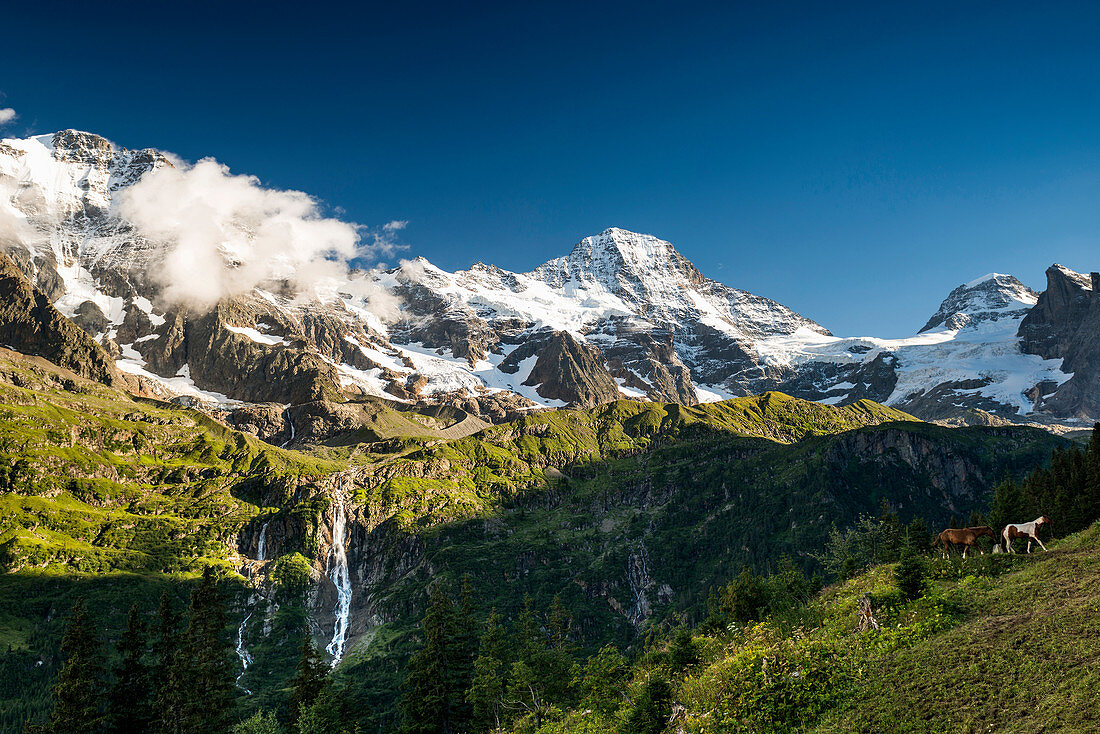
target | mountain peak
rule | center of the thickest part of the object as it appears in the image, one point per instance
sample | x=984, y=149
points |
x=988, y=298
x=617, y=258
x=632, y=248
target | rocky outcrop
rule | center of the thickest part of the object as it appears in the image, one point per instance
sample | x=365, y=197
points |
x=30, y=324
x=1065, y=324
x=90, y=318
x=565, y=369
x=573, y=372
x=234, y=364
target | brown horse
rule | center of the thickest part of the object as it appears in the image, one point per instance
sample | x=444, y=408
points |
x=966, y=537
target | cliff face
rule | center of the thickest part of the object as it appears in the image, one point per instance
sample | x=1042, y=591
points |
x=1065, y=324
x=31, y=325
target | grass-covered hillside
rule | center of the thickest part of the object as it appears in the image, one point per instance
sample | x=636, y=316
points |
x=93, y=480
x=994, y=643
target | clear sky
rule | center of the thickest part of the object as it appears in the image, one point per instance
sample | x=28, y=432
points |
x=854, y=161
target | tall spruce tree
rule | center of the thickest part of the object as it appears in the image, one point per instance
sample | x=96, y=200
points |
x=486, y=692
x=78, y=693
x=167, y=683
x=430, y=703
x=205, y=662
x=129, y=707
x=541, y=676
x=310, y=678
x=651, y=709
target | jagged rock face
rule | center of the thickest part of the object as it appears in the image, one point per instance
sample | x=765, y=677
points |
x=1065, y=324
x=572, y=372
x=31, y=325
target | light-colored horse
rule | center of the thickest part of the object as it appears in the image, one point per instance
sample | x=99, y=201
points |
x=1024, y=531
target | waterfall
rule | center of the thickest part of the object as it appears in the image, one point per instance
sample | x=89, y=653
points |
x=289, y=422
x=338, y=572
x=260, y=545
x=246, y=659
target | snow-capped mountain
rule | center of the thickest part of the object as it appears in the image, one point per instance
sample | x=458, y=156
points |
x=120, y=240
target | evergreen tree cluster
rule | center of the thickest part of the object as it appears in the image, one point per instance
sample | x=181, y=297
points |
x=751, y=597
x=1068, y=491
x=459, y=681
x=176, y=678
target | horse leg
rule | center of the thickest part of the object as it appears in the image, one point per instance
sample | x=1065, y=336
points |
x=1040, y=543
x=965, y=549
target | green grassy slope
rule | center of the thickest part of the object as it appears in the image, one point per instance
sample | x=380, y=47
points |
x=98, y=481
x=994, y=644
x=1025, y=657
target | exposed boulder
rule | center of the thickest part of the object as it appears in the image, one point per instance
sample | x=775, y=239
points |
x=90, y=318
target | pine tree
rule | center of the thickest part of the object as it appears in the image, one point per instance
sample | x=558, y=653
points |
x=603, y=686
x=463, y=643
x=428, y=700
x=909, y=573
x=486, y=692
x=652, y=708
x=129, y=705
x=207, y=671
x=167, y=690
x=310, y=678
x=78, y=704
x=1091, y=499
x=683, y=652
x=542, y=674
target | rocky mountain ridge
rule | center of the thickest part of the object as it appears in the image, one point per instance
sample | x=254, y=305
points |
x=622, y=315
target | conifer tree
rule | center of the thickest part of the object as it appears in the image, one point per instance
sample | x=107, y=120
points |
x=167, y=690
x=909, y=574
x=463, y=641
x=310, y=678
x=683, y=652
x=486, y=693
x=129, y=704
x=542, y=674
x=652, y=708
x=78, y=704
x=603, y=686
x=207, y=668
x=429, y=699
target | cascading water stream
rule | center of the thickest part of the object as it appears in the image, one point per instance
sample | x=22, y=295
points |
x=289, y=422
x=245, y=657
x=338, y=572
x=260, y=545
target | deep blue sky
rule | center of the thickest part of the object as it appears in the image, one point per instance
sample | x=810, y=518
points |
x=853, y=161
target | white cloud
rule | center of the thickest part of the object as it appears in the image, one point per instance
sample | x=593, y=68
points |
x=7, y=114
x=225, y=234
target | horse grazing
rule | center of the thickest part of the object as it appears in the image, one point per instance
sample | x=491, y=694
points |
x=1027, y=530
x=966, y=537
